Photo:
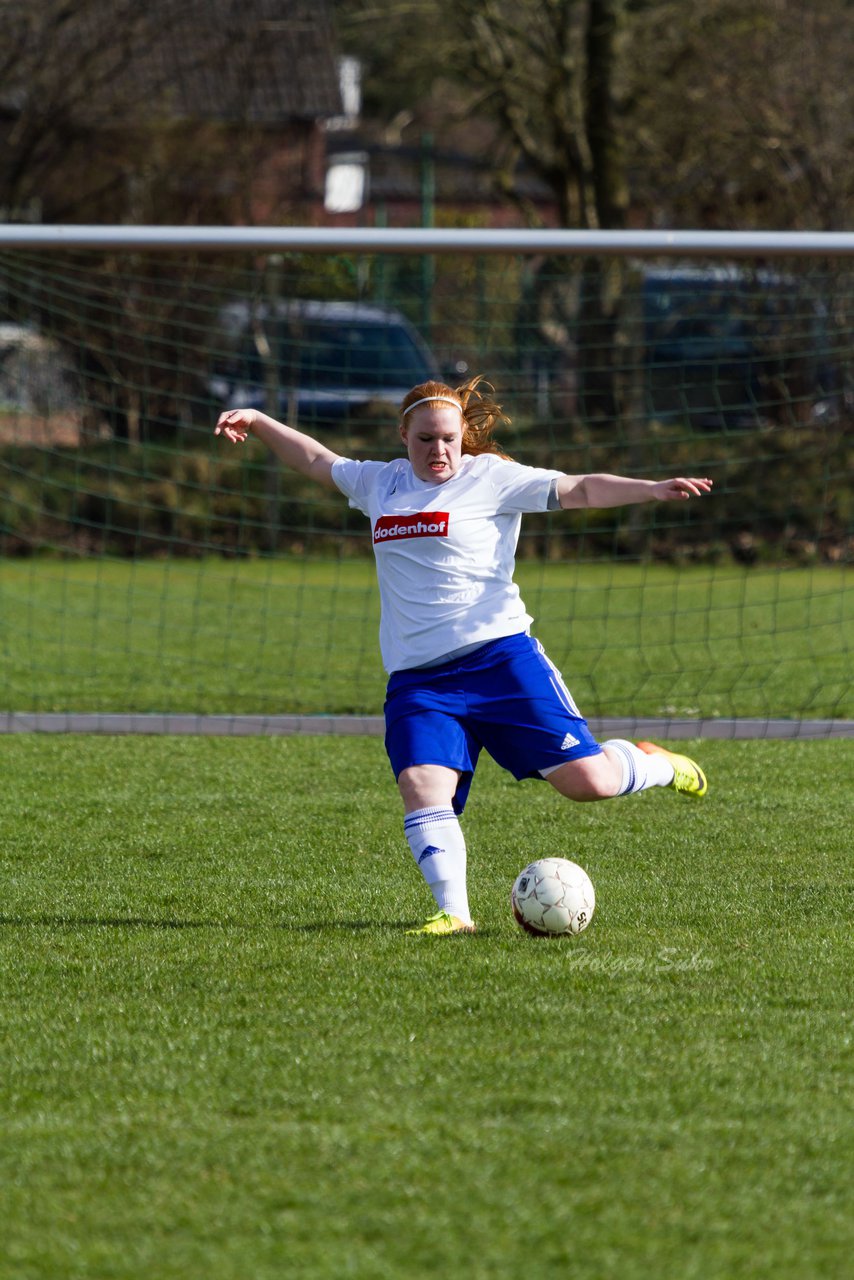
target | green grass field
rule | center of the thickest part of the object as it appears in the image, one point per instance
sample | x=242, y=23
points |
x=297, y=636
x=222, y=1058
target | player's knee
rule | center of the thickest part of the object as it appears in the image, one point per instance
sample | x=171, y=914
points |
x=422, y=785
x=586, y=780
x=601, y=789
x=588, y=790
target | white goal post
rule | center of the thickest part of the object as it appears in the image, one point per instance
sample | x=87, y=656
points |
x=126, y=531
x=719, y=244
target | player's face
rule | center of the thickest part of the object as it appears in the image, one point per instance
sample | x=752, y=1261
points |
x=433, y=435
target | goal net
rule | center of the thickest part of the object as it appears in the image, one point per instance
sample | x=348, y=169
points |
x=150, y=569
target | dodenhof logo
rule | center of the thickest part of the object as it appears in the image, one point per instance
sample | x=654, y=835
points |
x=424, y=524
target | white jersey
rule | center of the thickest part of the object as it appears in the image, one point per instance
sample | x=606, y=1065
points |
x=445, y=552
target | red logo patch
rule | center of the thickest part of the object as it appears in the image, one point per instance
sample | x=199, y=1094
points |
x=424, y=524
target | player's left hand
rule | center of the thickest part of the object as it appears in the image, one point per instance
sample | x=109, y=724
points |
x=682, y=487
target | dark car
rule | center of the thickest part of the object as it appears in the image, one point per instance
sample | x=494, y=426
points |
x=724, y=346
x=315, y=362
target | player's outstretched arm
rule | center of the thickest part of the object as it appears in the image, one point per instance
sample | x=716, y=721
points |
x=600, y=490
x=294, y=448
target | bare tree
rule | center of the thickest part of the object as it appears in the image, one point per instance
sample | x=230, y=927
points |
x=546, y=71
x=64, y=69
x=109, y=109
x=169, y=111
x=741, y=112
x=726, y=113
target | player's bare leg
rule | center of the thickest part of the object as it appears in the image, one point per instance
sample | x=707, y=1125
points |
x=427, y=784
x=592, y=778
x=624, y=767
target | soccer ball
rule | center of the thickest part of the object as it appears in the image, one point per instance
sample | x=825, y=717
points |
x=553, y=895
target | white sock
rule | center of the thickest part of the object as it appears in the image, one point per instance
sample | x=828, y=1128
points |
x=439, y=849
x=639, y=770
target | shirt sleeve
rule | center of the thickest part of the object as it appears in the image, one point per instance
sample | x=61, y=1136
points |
x=519, y=488
x=356, y=480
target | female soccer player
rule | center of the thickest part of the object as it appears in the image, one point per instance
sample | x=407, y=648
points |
x=464, y=671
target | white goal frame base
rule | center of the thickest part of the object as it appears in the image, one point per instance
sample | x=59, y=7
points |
x=243, y=726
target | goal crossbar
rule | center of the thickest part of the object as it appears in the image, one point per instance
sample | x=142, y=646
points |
x=429, y=240
x=131, y=539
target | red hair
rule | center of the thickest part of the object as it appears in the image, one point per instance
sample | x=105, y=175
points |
x=481, y=414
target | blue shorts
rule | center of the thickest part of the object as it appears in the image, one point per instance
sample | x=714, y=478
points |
x=505, y=697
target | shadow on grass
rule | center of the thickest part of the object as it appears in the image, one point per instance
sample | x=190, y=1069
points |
x=359, y=926
x=141, y=922
x=352, y=926
x=107, y=922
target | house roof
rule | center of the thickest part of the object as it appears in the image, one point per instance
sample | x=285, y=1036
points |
x=240, y=61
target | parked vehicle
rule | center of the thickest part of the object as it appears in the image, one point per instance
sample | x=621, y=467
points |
x=317, y=362
x=35, y=377
x=728, y=347
x=710, y=347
